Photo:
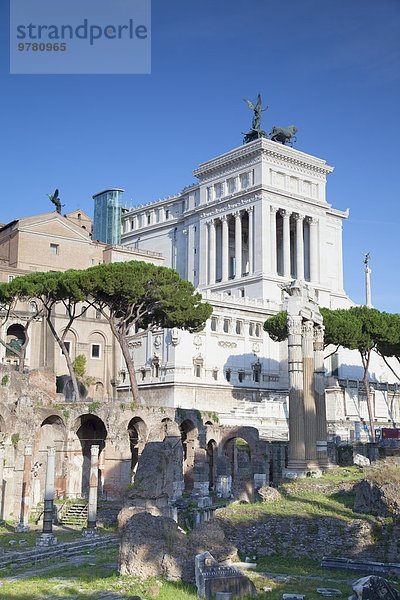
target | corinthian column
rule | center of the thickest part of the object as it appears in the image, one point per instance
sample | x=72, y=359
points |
x=299, y=247
x=238, y=245
x=274, y=269
x=211, y=252
x=296, y=407
x=225, y=248
x=286, y=242
x=319, y=389
x=310, y=421
x=250, y=211
x=314, y=250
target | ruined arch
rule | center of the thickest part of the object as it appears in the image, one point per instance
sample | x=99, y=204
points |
x=90, y=430
x=238, y=455
x=51, y=433
x=189, y=439
x=15, y=338
x=212, y=463
x=137, y=431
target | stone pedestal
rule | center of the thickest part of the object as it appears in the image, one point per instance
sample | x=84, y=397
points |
x=46, y=539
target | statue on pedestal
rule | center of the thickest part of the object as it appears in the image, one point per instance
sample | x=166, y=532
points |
x=256, y=131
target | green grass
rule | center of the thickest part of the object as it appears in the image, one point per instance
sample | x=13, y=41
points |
x=89, y=581
x=7, y=534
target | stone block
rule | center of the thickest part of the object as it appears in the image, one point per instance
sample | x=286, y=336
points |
x=213, y=578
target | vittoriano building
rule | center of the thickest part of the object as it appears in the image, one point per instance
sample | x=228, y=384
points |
x=258, y=218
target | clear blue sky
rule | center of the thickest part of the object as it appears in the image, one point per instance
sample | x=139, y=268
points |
x=332, y=67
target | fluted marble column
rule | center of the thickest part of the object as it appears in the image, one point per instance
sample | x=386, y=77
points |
x=238, y=245
x=313, y=250
x=250, y=212
x=310, y=419
x=319, y=390
x=296, y=405
x=274, y=266
x=211, y=252
x=286, y=242
x=225, y=248
x=299, y=247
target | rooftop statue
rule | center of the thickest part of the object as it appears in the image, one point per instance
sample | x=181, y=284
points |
x=256, y=131
x=55, y=199
x=285, y=135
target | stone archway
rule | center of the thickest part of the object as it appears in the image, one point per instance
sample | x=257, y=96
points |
x=51, y=434
x=91, y=431
x=189, y=438
x=137, y=431
x=15, y=339
x=238, y=459
x=212, y=464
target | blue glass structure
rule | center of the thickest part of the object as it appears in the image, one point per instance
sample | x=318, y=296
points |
x=107, y=220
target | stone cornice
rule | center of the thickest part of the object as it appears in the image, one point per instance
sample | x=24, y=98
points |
x=268, y=150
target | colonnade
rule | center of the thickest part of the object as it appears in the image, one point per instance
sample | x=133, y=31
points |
x=292, y=238
x=221, y=251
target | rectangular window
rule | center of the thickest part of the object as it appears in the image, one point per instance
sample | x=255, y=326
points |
x=241, y=376
x=226, y=325
x=167, y=214
x=218, y=190
x=239, y=327
x=98, y=313
x=251, y=329
x=213, y=323
x=10, y=278
x=197, y=370
x=244, y=180
x=67, y=347
x=148, y=219
x=95, y=351
x=215, y=374
x=231, y=183
x=54, y=249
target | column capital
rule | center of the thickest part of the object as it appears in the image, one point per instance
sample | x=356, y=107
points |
x=237, y=214
x=28, y=450
x=51, y=451
x=210, y=223
x=308, y=329
x=313, y=220
x=294, y=324
x=273, y=209
x=285, y=213
x=94, y=450
x=298, y=217
x=250, y=209
x=224, y=218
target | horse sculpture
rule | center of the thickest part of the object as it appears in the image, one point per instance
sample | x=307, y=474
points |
x=284, y=134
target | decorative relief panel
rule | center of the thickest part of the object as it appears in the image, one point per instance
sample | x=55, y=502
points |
x=225, y=344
